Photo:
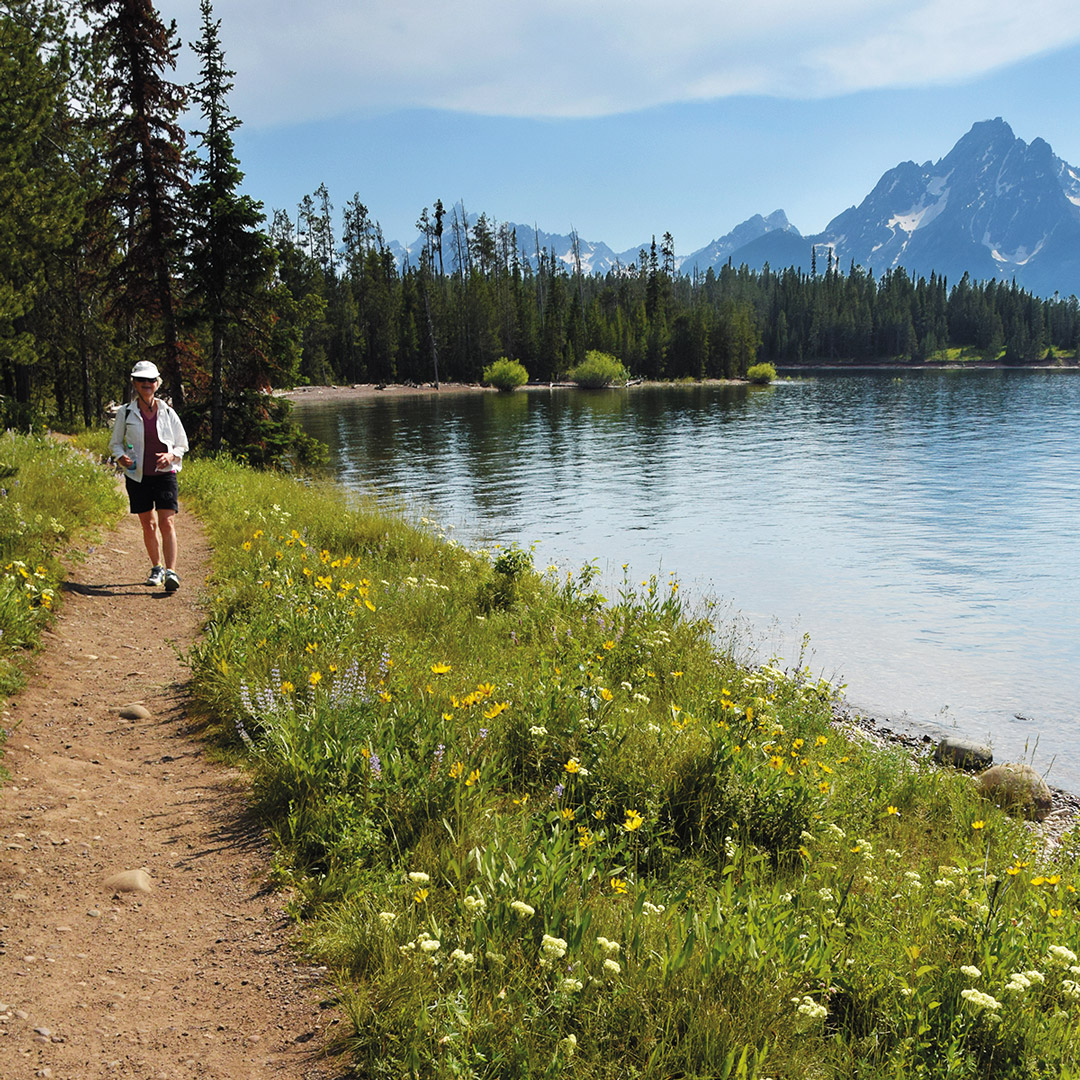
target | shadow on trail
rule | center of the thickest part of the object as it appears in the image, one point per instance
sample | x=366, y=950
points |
x=117, y=588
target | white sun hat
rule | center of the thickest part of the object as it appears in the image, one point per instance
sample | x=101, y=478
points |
x=144, y=369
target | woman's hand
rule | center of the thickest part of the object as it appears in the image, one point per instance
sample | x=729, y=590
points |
x=164, y=461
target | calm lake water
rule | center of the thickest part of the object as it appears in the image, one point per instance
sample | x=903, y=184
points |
x=921, y=528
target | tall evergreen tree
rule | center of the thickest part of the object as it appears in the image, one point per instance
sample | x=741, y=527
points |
x=147, y=175
x=230, y=259
x=39, y=204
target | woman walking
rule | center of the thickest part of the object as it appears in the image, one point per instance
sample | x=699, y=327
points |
x=149, y=441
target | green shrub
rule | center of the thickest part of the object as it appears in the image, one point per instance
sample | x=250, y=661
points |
x=506, y=375
x=598, y=370
x=761, y=374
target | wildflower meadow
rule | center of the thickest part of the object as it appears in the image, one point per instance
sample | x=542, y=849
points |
x=536, y=831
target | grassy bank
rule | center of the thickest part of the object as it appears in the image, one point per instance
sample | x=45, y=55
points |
x=537, y=832
x=51, y=495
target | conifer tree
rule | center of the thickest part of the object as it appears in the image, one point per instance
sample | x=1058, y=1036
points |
x=39, y=204
x=230, y=259
x=146, y=178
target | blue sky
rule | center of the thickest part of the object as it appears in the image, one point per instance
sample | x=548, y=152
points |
x=628, y=118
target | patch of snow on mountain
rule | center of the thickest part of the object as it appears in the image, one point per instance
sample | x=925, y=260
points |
x=1019, y=257
x=917, y=216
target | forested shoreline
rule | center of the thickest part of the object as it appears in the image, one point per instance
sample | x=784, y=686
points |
x=122, y=238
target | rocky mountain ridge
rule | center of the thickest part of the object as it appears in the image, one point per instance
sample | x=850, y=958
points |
x=993, y=207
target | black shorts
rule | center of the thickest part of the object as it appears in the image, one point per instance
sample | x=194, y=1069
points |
x=156, y=492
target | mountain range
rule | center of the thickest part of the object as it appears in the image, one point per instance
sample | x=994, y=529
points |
x=993, y=207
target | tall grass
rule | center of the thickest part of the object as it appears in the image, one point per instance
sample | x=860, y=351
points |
x=537, y=832
x=50, y=494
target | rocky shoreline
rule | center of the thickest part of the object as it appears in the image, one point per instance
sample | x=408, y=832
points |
x=879, y=730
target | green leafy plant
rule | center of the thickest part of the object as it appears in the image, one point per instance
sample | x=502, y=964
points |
x=761, y=374
x=506, y=375
x=597, y=370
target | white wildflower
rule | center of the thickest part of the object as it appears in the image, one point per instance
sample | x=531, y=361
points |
x=465, y=959
x=1060, y=955
x=979, y=999
x=473, y=904
x=569, y=1045
x=553, y=948
x=431, y=945
x=522, y=908
x=971, y=971
x=418, y=877
x=570, y=986
x=808, y=1007
x=387, y=917
x=611, y=967
x=611, y=948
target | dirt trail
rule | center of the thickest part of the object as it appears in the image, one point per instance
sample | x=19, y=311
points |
x=194, y=978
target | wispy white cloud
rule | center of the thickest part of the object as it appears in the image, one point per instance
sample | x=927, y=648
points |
x=573, y=58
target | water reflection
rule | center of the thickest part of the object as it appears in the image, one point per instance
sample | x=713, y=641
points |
x=921, y=528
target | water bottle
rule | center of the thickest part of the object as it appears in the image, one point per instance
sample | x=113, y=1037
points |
x=131, y=455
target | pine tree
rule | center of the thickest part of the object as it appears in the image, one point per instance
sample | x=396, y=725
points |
x=230, y=260
x=147, y=175
x=39, y=204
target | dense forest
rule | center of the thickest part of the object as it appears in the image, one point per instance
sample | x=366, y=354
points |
x=125, y=236
x=476, y=291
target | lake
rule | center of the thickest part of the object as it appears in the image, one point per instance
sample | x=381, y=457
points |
x=920, y=527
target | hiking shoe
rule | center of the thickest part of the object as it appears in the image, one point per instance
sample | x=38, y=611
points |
x=156, y=577
x=172, y=581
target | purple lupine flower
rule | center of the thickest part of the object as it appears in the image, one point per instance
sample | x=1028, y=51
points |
x=376, y=765
x=559, y=791
x=439, y=751
x=247, y=740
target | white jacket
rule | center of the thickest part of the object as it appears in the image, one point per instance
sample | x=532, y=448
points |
x=128, y=437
